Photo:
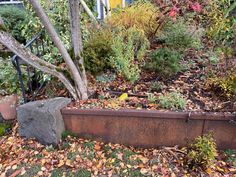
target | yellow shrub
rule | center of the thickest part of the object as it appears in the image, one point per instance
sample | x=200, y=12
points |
x=219, y=24
x=142, y=16
x=226, y=85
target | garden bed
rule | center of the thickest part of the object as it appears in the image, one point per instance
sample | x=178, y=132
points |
x=148, y=128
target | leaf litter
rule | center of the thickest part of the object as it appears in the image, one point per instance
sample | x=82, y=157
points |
x=81, y=157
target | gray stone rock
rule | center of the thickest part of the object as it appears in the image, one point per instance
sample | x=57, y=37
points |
x=42, y=120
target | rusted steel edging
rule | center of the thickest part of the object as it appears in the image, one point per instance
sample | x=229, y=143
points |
x=152, y=114
x=150, y=128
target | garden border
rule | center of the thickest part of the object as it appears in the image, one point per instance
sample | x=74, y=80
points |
x=150, y=128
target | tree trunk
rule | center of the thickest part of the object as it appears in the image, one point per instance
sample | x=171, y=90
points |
x=34, y=61
x=80, y=85
x=76, y=36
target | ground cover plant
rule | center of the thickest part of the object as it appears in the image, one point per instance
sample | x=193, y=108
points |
x=84, y=158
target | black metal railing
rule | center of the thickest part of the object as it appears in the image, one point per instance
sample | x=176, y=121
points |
x=33, y=86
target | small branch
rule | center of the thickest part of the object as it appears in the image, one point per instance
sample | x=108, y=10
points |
x=89, y=12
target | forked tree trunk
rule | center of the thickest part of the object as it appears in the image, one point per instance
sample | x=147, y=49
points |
x=7, y=40
x=80, y=84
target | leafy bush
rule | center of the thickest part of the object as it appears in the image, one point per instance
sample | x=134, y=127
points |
x=156, y=86
x=226, y=86
x=202, y=152
x=98, y=50
x=8, y=77
x=173, y=101
x=151, y=98
x=141, y=15
x=127, y=46
x=123, y=61
x=165, y=61
x=220, y=24
x=181, y=35
x=14, y=21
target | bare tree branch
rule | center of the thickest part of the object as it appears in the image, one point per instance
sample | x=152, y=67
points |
x=34, y=61
x=88, y=11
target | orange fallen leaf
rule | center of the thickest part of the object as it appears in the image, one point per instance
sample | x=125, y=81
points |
x=97, y=147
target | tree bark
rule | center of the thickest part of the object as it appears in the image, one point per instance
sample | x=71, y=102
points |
x=80, y=85
x=76, y=37
x=34, y=61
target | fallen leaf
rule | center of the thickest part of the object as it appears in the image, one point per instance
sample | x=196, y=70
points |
x=123, y=97
x=97, y=147
x=61, y=163
x=144, y=171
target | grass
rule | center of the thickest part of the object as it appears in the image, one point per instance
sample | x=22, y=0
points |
x=3, y=128
x=231, y=156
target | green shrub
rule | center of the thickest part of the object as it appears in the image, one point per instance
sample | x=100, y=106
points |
x=173, y=101
x=8, y=77
x=14, y=21
x=129, y=47
x=98, y=50
x=219, y=22
x=164, y=61
x=181, y=35
x=151, y=98
x=202, y=152
x=156, y=86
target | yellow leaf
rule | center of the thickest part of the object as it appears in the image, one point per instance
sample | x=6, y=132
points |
x=220, y=169
x=209, y=171
x=68, y=163
x=129, y=166
x=61, y=163
x=43, y=161
x=123, y=97
x=143, y=159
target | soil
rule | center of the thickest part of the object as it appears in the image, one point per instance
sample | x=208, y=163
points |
x=192, y=83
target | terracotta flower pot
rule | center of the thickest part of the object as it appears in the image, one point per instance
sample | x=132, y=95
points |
x=8, y=106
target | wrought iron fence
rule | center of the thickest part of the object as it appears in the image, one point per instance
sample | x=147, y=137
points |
x=33, y=86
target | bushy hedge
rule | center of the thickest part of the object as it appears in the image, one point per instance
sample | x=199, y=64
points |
x=14, y=20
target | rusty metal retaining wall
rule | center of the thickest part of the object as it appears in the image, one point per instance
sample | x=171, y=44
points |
x=145, y=128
